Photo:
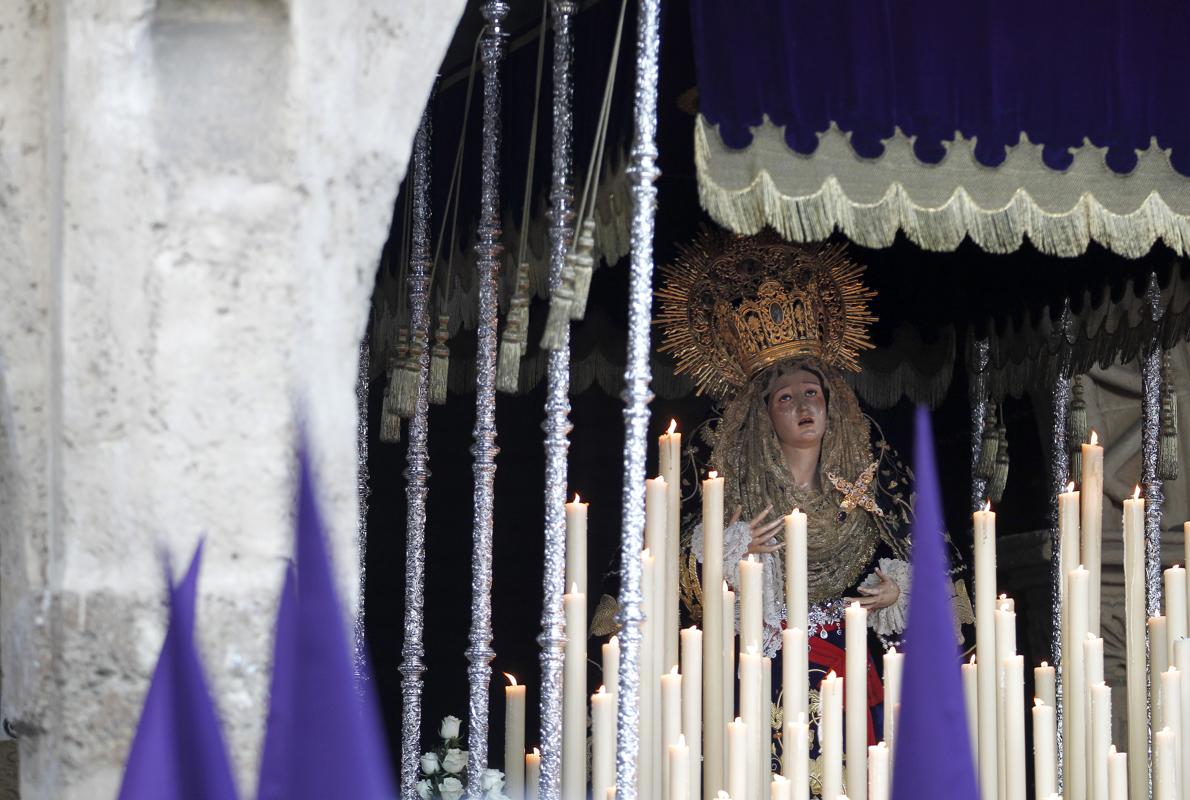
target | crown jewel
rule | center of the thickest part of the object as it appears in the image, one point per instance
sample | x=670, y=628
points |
x=734, y=305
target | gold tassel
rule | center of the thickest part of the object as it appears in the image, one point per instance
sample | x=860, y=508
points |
x=988, y=442
x=584, y=267
x=508, y=365
x=1077, y=432
x=407, y=384
x=440, y=362
x=390, y=420
x=557, y=324
x=1167, y=454
x=1000, y=474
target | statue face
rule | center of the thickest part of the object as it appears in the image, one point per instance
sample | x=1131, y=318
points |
x=797, y=408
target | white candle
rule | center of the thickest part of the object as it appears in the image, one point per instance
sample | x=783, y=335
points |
x=1092, y=676
x=894, y=664
x=533, y=774
x=1158, y=663
x=576, y=544
x=1181, y=661
x=1100, y=695
x=514, y=738
x=971, y=705
x=985, y=646
x=692, y=705
x=1163, y=765
x=574, y=696
x=1175, y=605
x=649, y=736
x=1134, y=637
x=678, y=774
x=603, y=742
x=671, y=722
x=796, y=754
x=766, y=716
x=797, y=609
x=1171, y=715
x=1117, y=775
x=795, y=686
x=750, y=713
x=751, y=602
x=1075, y=683
x=611, y=664
x=780, y=789
x=656, y=530
x=729, y=661
x=1091, y=521
x=855, y=630
x=1068, y=531
x=878, y=771
x=831, y=734
x=1045, y=684
x=737, y=758
x=670, y=467
x=1014, y=721
x=1045, y=750
x=715, y=723
x=1005, y=647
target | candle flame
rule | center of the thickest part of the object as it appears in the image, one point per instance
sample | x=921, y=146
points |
x=830, y=676
x=614, y=639
x=681, y=740
x=1043, y=663
x=576, y=498
x=602, y=689
x=712, y=475
x=1094, y=438
x=673, y=426
x=892, y=651
x=1136, y=492
x=1038, y=702
x=536, y=752
x=751, y=558
x=511, y=679
x=574, y=588
x=972, y=661
x=673, y=670
x=795, y=511
x=987, y=504
x=1070, y=487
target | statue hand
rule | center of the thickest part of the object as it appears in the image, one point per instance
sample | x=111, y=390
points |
x=762, y=530
x=882, y=595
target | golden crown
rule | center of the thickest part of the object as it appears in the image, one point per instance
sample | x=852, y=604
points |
x=734, y=305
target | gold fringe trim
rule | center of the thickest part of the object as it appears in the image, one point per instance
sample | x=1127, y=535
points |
x=1167, y=453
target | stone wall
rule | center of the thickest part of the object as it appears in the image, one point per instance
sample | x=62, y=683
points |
x=193, y=199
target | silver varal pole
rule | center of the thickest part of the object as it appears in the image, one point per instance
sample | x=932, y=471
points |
x=359, y=635
x=1150, y=439
x=979, y=415
x=416, y=472
x=484, y=450
x=557, y=411
x=637, y=395
x=1059, y=477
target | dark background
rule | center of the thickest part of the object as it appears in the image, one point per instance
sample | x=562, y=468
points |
x=967, y=289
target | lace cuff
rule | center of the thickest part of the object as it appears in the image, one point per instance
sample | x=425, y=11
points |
x=736, y=538
x=735, y=544
x=890, y=621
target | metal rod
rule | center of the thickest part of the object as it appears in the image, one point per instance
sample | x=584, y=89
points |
x=416, y=471
x=359, y=634
x=557, y=411
x=637, y=395
x=1150, y=376
x=1059, y=476
x=979, y=415
x=484, y=450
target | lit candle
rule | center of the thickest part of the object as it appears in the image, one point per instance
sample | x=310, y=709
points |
x=894, y=664
x=1158, y=663
x=878, y=771
x=1100, y=695
x=1175, y=606
x=855, y=631
x=1163, y=765
x=611, y=664
x=678, y=774
x=796, y=753
x=533, y=774
x=1045, y=684
x=514, y=738
x=985, y=646
x=712, y=620
x=1171, y=715
x=671, y=718
x=830, y=732
x=1068, y=531
x=1005, y=648
x=1014, y=721
x=574, y=696
x=1117, y=775
x=576, y=544
x=737, y=758
x=1134, y=637
x=1045, y=750
x=780, y=789
x=603, y=742
x=692, y=705
x=1074, y=684
x=796, y=611
x=649, y=730
x=1091, y=521
x=795, y=686
x=971, y=705
x=670, y=467
x=750, y=713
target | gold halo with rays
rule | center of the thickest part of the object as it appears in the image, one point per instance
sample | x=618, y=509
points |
x=732, y=306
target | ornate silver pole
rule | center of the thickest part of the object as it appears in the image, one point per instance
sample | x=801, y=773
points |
x=484, y=450
x=637, y=395
x=1150, y=438
x=361, y=487
x=1059, y=477
x=979, y=414
x=557, y=411
x=416, y=472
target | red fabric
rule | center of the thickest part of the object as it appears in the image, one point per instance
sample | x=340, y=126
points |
x=832, y=657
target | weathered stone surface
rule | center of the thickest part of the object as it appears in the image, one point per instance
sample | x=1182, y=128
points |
x=193, y=199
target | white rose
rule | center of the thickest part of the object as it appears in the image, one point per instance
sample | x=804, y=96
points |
x=491, y=779
x=451, y=788
x=429, y=763
x=455, y=760
x=425, y=790
x=449, y=728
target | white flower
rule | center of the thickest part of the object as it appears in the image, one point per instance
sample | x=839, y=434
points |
x=450, y=727
x=451, y=788
x=495, y=794
x=429, y=763
x=455, y=760
x=425, y=789
x=491, y=779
